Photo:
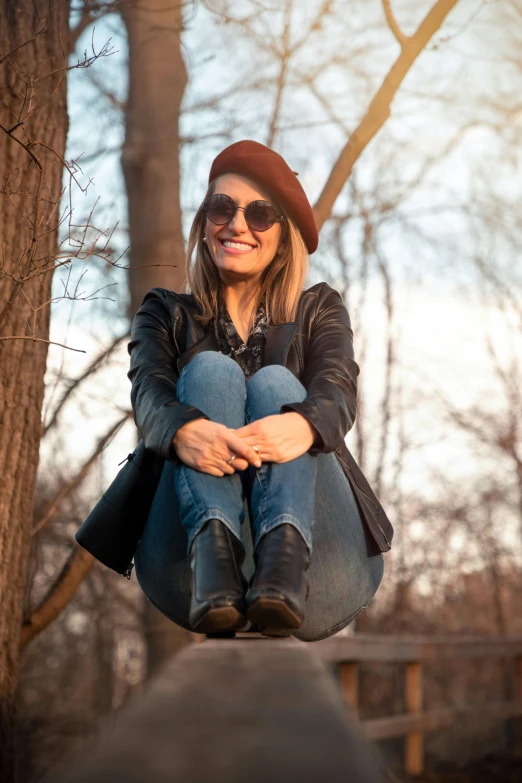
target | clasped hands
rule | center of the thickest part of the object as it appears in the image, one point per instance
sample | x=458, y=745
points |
x=208, y=446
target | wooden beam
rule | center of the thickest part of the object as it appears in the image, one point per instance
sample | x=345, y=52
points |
x=229, y=710
x=375, y=648
x=399, y=725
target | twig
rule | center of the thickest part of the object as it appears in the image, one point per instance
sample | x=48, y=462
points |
x=40, y=340
x=101, y=445
x=392, y=23
x=379, y=108
x=91, y=369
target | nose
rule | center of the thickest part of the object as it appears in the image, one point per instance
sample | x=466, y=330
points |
x=238, y=223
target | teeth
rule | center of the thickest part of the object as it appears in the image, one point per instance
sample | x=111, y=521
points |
x=238, y=245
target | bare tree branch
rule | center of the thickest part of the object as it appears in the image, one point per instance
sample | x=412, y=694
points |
x=67, y=489
x=379, y=108
x=90, y=370
x=392, y=23
x=41, y=340
x=76, y=568
x=285, y=56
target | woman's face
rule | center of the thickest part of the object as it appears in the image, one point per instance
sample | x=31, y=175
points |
x=251, y=251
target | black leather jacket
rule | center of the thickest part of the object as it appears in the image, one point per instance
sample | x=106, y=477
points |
x=317, y=348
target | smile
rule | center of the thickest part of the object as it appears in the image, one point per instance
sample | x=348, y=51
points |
x=235, y=247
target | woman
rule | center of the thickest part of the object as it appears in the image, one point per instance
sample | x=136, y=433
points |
x=246, y=387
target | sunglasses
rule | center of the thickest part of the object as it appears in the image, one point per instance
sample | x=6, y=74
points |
x=259, y=215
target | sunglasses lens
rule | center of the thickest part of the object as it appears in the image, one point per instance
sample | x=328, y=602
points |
x=260, y=215
x=220, y=209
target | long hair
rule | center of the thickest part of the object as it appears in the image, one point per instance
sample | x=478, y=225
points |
x=281, y=282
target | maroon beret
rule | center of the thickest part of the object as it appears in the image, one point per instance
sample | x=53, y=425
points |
x=270, y=169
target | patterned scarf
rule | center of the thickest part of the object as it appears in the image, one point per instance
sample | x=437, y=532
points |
x=248, y=355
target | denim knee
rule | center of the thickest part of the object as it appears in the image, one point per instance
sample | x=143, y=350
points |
x=273, y=386
x=215, y=368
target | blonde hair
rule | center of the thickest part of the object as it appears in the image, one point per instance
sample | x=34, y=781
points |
x=282, y=281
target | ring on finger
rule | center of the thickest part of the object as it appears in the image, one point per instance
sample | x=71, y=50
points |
x=255, y=449
x=232, y=458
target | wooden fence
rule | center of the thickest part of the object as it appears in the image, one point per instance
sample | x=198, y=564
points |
x=416, y=652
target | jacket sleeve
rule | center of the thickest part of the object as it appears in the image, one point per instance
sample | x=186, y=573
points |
x=330, y=374
x=154, y=376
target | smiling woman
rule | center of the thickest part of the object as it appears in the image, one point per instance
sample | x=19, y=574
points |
x=242, y=234
x=245, y=388
x=239, y=210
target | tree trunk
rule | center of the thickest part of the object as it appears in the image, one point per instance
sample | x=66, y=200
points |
x=23, y=361
x=151, y=166
x=150, y=155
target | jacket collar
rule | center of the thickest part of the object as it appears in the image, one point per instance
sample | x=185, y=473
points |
x=278, y=339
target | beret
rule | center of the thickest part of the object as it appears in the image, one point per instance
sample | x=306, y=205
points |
x=267, y=167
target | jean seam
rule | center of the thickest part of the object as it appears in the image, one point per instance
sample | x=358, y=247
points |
x=338, y=627
x=288, y=519
x=168, y=614
x=181, y=384
x=260, y=517
x=193, y=495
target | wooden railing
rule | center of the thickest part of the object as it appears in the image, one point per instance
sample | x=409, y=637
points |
x=416, y=652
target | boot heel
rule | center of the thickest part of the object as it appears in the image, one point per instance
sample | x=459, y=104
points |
x=219, y=620
x=279, y=588
x=273, y=613
x=217, y=603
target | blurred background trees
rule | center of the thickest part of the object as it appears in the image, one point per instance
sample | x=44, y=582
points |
x=416, y=195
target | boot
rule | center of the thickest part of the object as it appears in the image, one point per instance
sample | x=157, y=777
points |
x=279, y=588
x=217, y=604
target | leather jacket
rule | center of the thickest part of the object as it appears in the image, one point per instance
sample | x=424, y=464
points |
x=317, y=348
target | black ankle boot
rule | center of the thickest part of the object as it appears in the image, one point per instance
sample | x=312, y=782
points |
x=279, y=587
x=218, y=584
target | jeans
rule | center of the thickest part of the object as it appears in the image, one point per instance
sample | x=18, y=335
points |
x=278, y=492
x=346, y=565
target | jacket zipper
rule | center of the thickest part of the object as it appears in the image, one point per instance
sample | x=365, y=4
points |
x=127, y=458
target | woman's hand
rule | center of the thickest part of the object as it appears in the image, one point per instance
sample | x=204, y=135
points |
x=207, y=446
x=279, y=438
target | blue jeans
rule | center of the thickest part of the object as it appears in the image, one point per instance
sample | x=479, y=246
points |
x=346, y=566
x=278, y=493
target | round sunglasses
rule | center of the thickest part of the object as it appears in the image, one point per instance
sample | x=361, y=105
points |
x=259, y=215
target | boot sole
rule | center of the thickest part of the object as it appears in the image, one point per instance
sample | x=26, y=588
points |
x=220, y=619
x=274, y=617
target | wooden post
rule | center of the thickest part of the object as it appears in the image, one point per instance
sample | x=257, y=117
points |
x=349, y=681
x=518, y=697
x=414, y=745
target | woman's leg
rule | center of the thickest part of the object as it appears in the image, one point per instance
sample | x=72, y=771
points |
x=281, y=492
x=209, y=598
x=211, y=507
x=214, y=384
x=347, y=566
x=282, y=503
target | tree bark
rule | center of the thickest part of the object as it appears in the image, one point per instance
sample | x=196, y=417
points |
x=151, y=166
x=32, y=93
x=150, y=155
